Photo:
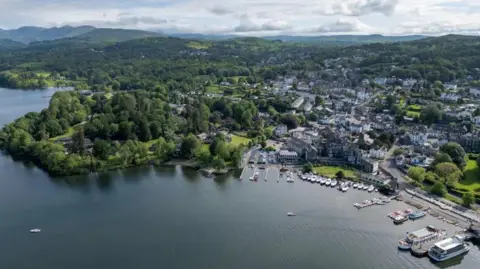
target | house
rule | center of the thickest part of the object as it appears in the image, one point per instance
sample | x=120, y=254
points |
x=381, y=81
x=450, y=86
x=307, y=107
x=449, y=97
x=400, y=160
x=298, y=102
x=86, y=92
x=363, y=95
x=281, y=130
x=377, y=153
x=302, y=147
x=202, y=136
x=418, y=138
x=476, y=120
x=475, y=92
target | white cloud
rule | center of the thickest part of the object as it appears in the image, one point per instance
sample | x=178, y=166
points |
x=253, y=17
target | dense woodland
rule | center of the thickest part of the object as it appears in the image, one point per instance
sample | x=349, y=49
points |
x=144, y=63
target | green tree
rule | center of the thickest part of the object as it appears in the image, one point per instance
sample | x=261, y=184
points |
x=398, y=151
x=468, y=198
x=308, y=167
x=430, y=114
x=190, y=145
x=78, y=142
x=102, y=149
x=448, y=172
x=204, y=156
x=441, y=158
x=456, y=152
x=218, y=163
x=340, y=174
x=439, y=189
x=263, y=144
x=416, y=173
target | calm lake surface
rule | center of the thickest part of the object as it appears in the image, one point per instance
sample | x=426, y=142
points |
x=175, y=218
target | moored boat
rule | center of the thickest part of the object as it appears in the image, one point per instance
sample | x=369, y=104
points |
x=371, y=188
x=421, y=236
x=447, y=249
x=291, y=214
x=36, y=230
x=400, y=219
x=417, y=215
x=355, y=185
x=365, y=187
x=322, y=180
x=345, y=188
x=333, y=183
x=328, y=182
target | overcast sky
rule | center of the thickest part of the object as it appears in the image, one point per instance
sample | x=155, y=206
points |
x=252, y=17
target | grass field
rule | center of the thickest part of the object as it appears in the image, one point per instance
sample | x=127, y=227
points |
x=237, y=140
x=330, y=171
x=414, y=107
x=214, y=89
x=198, y=45
x=472, y=177
x=413, y=114
x=69, y=133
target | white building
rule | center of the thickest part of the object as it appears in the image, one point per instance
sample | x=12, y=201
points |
x=281, y=130
x=363, y=95
x=381, y=81
x=450, y=86
x=475, y=92
x=408, y=83
x=308, y=107
x=356, y=128
x=476, y=120
x=298, y=102
x=377, y=153
x=449, y=97
x=287, y=156
x=418, y=138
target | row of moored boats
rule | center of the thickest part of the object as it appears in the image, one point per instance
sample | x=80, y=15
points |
x=343, y=186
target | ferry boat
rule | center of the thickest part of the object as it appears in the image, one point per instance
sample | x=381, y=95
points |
x=371, y=188
x=333, y=183
x=328, y=182
x=417, y=215
x=355, y=185
x=424, y=235
x=447, y=249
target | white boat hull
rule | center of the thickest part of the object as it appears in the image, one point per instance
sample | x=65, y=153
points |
x=450, y=256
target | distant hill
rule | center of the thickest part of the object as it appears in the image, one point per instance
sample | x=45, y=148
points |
x=106, y=35
x=10, y=44
x=30, y=34
x=331, y=39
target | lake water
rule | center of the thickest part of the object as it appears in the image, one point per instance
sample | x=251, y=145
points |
x=175, y=218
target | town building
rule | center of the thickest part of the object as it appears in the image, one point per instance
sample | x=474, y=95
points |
x=281, y=130
x=286, y=156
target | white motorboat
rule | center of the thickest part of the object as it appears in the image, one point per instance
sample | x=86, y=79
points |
x=365, y=187
x=360, y=186
x=376, y=190
x=328, y=182
x=371, y=188
x=333, y=183
x=322, y=180
x=36, y=230
x=290, y=180
x=345, y=187
x=355, y=185
x=291, y=214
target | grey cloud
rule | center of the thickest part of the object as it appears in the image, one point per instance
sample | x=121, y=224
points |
x=135, y=20
x=363, y=7
x=220, y=11
x=268, y=26
x=338, y=26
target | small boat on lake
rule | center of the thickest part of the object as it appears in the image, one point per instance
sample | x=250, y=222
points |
x=371, y=188
x=291, y=214
x=365, y=187
x=328, y=182
x=400, y=219
x=417, y=215
x=345, y=187
x=36, y=230
x=322, y=180
x=355, y=185
x=333, y=183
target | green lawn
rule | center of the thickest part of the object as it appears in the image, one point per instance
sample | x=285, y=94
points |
x=415, y=107
x=198, y=45
x=330, y=171
x=237, y=140
x=413, y=114
x=69, y=133
x=214, y=89
x=472, y=177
